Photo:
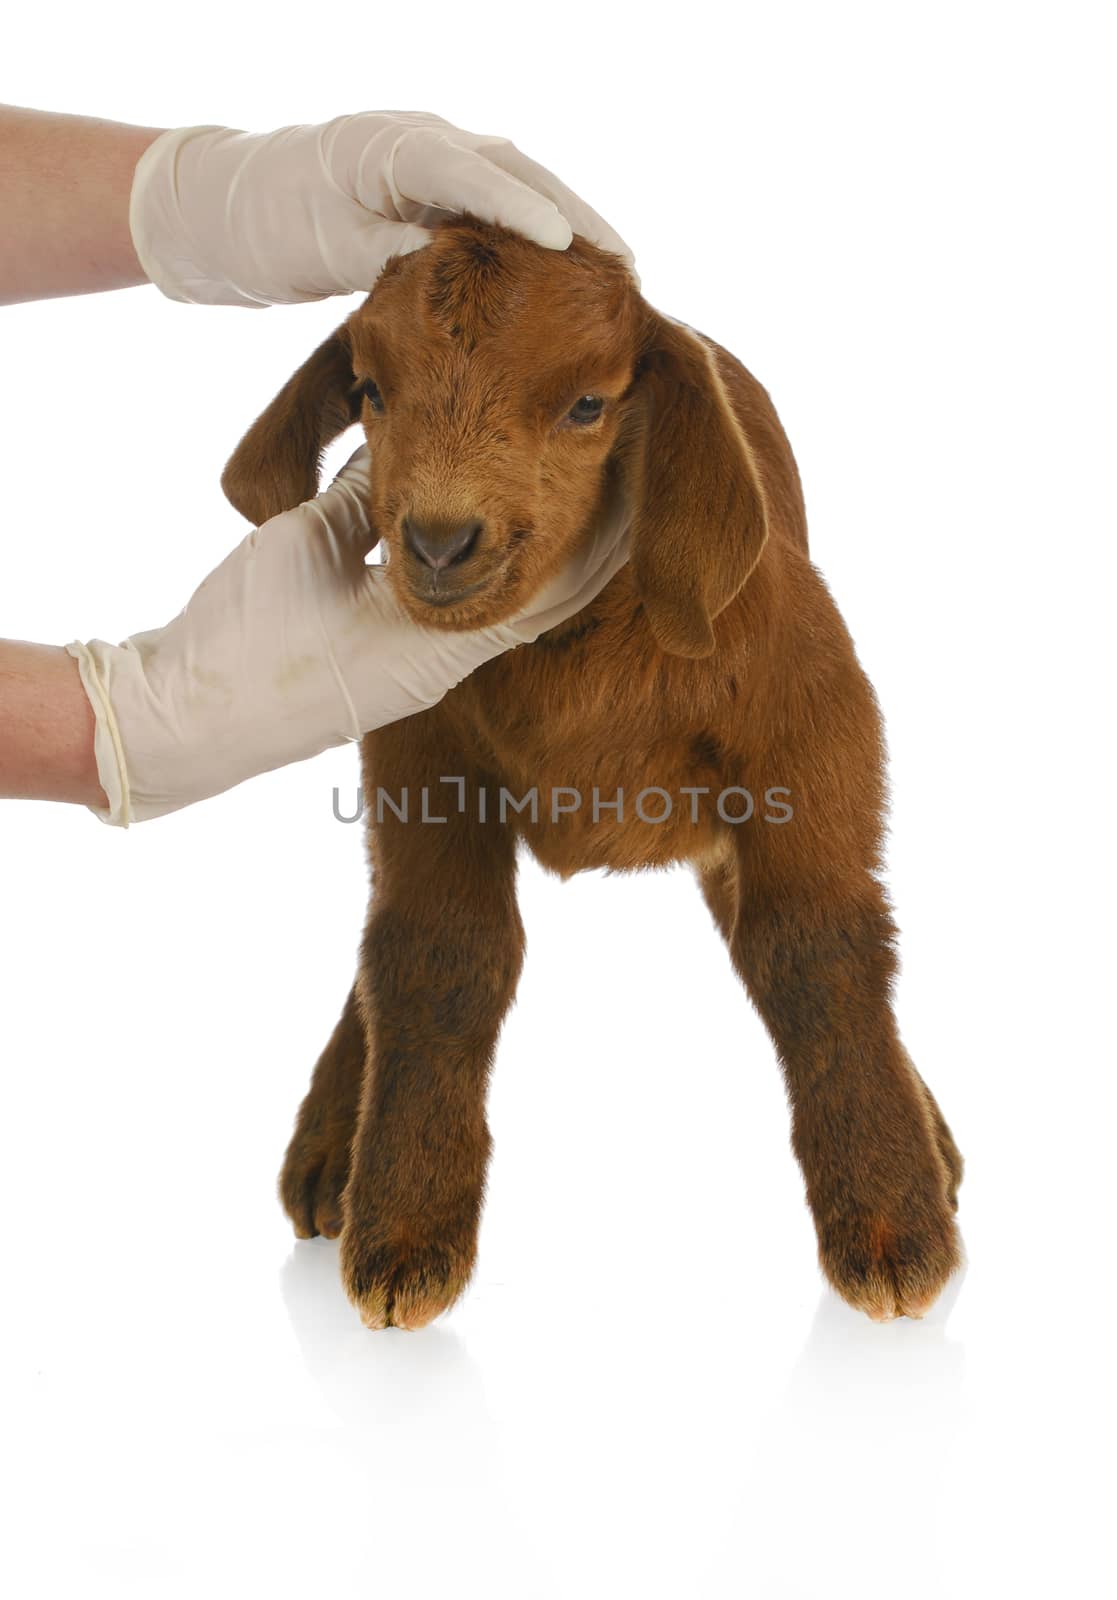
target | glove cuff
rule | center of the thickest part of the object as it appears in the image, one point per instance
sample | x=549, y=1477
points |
x=163, y=239
x=107, y=747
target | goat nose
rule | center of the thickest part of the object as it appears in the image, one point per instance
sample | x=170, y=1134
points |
x=441, y=544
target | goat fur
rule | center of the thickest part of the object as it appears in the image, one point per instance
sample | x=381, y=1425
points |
x=716, y=658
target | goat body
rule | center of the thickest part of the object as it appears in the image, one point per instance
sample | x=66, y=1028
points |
x=714, y=665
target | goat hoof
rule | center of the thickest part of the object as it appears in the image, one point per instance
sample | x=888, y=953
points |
x=311, y=1186
x=402, y=1286
x=893, y=1262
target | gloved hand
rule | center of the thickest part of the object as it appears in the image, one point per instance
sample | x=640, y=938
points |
x=221, y=217
x=292, y=645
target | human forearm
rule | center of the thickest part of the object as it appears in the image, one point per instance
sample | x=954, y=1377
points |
x=46, y=727
x=65, y=183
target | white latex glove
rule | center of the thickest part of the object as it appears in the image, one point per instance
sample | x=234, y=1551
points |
x=222, y=217
x=292, y=645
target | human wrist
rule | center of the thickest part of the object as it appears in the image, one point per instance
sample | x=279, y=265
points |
x=47, y=748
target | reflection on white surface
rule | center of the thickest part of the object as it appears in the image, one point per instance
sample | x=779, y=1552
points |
x=369, y=1382
x=863, y=1433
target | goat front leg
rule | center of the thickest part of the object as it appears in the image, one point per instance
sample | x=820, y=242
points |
x=879, y=1162
x=439, y=965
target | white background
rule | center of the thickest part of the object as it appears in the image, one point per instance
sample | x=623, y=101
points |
x=900, y=219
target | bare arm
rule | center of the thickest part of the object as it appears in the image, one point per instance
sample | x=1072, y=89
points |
x=64, y=189
x=46, y=727
x=65, y=183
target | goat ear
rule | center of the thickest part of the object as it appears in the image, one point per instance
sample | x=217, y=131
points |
x=276, y=464
x=701, y=520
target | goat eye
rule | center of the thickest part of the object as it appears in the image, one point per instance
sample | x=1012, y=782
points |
x=372, y=395
x=587, y=409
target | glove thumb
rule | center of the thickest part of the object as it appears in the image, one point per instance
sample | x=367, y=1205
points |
x=343, y=505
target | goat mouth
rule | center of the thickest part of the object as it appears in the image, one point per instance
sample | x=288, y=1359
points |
x=441, y=598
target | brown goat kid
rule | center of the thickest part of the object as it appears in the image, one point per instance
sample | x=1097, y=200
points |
x=508, y=393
